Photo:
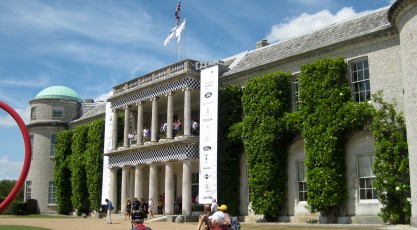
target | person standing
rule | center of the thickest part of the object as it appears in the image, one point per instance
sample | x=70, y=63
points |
x=150, y=208
x=109, y=209
x=214, y=206
x=128, y=209
x=136, y=204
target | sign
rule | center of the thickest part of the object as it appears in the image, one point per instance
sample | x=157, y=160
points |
x=208, y=134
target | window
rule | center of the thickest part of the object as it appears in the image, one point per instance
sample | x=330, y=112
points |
x=57, y=112
x=51, y=195
x=194, y=183
x=28, y=190
x=53, y=140
x=33, y=113
x=32, y=137
x=366, y=177
x=301, y=179
x=359, y=71
x=295, y=95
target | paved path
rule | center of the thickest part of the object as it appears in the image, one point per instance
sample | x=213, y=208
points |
x=70, y=223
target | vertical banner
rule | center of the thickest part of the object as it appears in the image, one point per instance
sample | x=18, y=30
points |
x=108, y=131
x=208, y=134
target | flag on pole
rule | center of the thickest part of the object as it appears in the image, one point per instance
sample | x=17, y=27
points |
x=178, y=28
x=171, y=35
x=177, y=12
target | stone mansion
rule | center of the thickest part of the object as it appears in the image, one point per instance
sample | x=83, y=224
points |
x=379, y=47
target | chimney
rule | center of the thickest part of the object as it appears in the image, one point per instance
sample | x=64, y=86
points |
x=262, y=43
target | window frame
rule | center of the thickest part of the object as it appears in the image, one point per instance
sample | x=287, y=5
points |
x=57, y=112
x=51, y=193
x=359, y=79
x=53, y=145
x=366, y=178
x=33, y=113
x=28, y=190
x=301, y=184
x=295, y=89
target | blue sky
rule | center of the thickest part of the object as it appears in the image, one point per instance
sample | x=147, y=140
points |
x=90, y=46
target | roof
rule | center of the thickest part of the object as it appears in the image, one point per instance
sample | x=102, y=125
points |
x=59, y=92
x=330, y=35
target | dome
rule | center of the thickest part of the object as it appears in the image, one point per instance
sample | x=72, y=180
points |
x=59, y=92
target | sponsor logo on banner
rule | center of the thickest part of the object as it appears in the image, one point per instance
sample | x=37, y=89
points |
x=208, y=134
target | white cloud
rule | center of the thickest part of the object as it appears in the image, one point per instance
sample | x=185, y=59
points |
x=9, y=170
x=7, y=121
x=104, y=97
x=39, y=81
x=306, y=22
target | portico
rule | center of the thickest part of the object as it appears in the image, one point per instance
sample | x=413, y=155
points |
x=162, y=162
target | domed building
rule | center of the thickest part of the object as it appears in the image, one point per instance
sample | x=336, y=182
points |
x=52, y=110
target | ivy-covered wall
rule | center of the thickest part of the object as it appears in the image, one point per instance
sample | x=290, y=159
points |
x=266, y=100
x=230, y=148
x=328, y=115
x=79, y=168
x=62, y=172
x=391, y=166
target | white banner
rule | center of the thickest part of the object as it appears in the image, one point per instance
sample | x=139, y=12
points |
x=208, y=134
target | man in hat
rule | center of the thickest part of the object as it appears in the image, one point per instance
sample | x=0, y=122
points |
x=216, y=221
x=137, y=221
x=227, y=219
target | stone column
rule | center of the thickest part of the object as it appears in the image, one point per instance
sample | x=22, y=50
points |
x=139, y=181
x=153, y=185
x=114, y=131
x=127, y=126
x=124, y=195
x=140, y=123
x=131, y=183
x=187, y=112
x=113, y=187
x=403, y=15
x=154, y=128
x=186, y=188
x=170, y=115
x=169, y=189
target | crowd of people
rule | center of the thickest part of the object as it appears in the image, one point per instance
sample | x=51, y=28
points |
x=214, y=217
x=177, y=128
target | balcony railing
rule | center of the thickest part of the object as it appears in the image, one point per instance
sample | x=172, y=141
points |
x=166, y=72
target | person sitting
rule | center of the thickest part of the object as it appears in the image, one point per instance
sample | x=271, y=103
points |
x=137, y=221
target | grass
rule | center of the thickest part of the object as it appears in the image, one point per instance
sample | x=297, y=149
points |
x=14, y=227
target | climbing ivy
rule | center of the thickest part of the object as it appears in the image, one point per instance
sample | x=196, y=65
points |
x=265, y=101
x=391, y=166
x=229, y=148
x=62, y=172
x=94, y=162
x=328, y=115
x=80, y=194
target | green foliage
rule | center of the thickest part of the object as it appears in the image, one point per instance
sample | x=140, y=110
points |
x=328, y=114
x=6, y=187
x=266, y=100
x=94, y=162
x=391, y=166
x=16, y=208
x=230, y=149
x=62, y=172
x=80, y=194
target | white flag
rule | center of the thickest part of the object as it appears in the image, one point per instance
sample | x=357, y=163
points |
x=179, y=30
x=171, y=35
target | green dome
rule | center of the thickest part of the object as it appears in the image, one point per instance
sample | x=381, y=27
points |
x=59, y=92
